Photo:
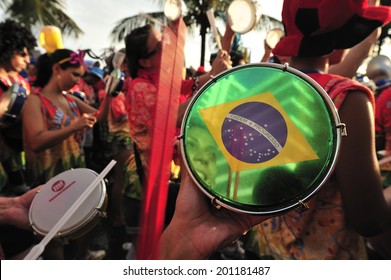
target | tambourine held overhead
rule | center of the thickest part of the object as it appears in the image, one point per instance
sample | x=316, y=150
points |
x=12, y=101
x=260, y=138
x=274, y=36
x=58, y=194
x=172, y=9
x=242, y=16
x=114, y=82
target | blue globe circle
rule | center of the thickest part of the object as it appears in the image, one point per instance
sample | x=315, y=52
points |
x=254, y=132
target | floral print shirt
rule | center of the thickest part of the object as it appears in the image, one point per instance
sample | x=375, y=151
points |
x=42, y=166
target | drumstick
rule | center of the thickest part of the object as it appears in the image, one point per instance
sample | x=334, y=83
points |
x=37, y=250
x=212, y=24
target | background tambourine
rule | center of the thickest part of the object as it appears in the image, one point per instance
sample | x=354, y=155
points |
x=274, y=36
x=260, y=138
x=115, y=82
x=59, y=194
x=242, y=16
x=172, y=9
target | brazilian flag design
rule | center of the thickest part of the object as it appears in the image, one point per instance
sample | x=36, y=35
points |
x=256, y=132
x=260, y=138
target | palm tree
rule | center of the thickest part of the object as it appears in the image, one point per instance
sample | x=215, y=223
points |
x=44, y=12
x=195, y=17
x=3, y=3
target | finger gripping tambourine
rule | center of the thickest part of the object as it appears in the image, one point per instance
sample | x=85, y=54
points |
x=59, y=194
x=260, y=138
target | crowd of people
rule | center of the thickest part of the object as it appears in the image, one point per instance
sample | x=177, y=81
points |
x=71, y=119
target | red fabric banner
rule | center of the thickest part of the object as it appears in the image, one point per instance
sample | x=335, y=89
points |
x=156, y=189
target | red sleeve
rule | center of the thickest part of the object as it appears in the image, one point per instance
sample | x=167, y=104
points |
x=117, y=107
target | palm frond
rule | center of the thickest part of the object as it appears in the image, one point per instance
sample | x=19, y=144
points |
x=126, y=25
x=4, y=4
x=46, y=12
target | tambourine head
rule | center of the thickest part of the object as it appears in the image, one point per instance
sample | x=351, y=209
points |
x=260, y=138
x=59, y=194
x=274, y=36
x=241, y=16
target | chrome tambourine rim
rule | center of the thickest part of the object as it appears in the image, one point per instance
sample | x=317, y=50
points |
x=337, y=130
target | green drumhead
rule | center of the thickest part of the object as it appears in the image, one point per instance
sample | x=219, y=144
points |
x=260, y=138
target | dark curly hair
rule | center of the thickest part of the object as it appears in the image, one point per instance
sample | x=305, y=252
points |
x=14, y=38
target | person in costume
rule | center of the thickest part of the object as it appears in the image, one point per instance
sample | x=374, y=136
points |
x=336, y=222
x=54, y=121
x=122, y=150
x=143, y=53
x=343, y=62
x=15, y=43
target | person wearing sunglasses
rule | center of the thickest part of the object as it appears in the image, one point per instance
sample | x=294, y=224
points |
x=15, y=43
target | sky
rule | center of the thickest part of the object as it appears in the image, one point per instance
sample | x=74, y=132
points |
x=98, y=18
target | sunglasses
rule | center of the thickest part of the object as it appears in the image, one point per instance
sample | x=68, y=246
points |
x=154, y=51
x=22, y=53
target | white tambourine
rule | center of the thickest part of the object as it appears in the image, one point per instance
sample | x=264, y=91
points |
x=242, y=16
x=58, y=195
x=172, y=9
x=274, y=36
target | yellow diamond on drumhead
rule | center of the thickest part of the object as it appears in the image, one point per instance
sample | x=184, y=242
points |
x=256, y=132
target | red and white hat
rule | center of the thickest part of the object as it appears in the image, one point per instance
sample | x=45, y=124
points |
x=316, y=28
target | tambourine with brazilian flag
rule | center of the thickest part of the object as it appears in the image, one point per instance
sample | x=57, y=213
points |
x=261, y=138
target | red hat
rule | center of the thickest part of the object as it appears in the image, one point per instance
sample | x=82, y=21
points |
x=316, y=28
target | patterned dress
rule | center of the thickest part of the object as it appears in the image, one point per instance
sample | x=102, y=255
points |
x=323, y=231
x=42, y=166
